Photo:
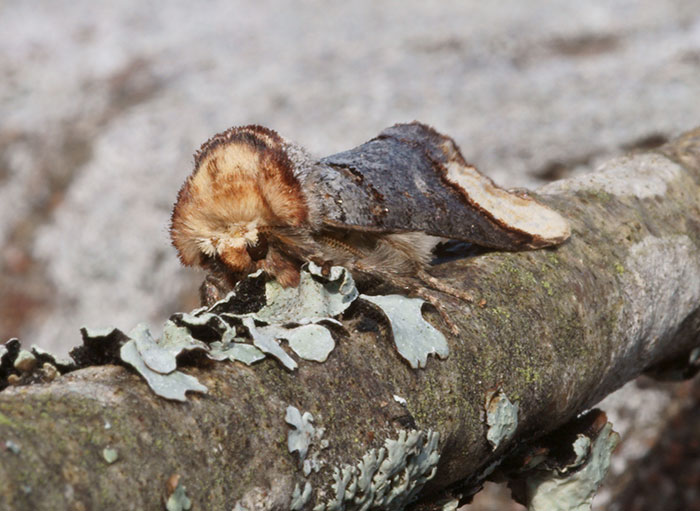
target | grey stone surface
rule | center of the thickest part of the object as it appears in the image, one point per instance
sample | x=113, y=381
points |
x=102, y=106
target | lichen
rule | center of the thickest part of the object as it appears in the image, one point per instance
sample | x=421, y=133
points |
x=267, y=342
x=235, y=351
x=400, y=400
x=294, y=314
x=176, y=340
x=501, y=418
x=529, y=374
x=24, y=367
x=172, y=385
x=388, y=478
x=552, y=258
x=300, y=497
x=315, y=463
x=300, y=437
x=178, y=500
x=573, y=488
x=218, y=331
x=414, y=337
x=317, y=297
x=154, y=354
x=548, y=287
x=310, y=342
x=229, y=331
x=110, y=455
x=5, y=421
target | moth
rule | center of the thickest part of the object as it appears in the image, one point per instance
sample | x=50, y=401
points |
x=256, y=201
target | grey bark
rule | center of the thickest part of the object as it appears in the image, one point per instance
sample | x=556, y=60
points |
x=555, y=330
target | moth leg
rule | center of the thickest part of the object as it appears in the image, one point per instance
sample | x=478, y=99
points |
x=434, y=300
x=426, y=293
x=439, y=285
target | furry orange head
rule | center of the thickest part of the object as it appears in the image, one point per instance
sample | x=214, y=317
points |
x=243, y=185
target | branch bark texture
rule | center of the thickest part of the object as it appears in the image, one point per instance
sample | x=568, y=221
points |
x=555, y=330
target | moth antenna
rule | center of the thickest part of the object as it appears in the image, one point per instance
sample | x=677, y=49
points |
x=330, y=241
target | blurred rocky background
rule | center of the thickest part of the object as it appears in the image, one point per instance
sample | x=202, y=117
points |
x=103, y=104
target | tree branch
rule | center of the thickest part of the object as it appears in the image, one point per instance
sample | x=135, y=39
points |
x=554, y=330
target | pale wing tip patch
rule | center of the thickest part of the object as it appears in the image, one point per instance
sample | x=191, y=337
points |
x=512, y=211
x=546, y=226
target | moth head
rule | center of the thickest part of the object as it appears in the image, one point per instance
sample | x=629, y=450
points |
x=243, y=186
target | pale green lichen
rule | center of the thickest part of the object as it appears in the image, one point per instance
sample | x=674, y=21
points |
x=300, y=437
x=170, y=386
x=529, y=374
x=501, y=418
x=300, y=497
x=110, y=455
x=153, y=355
x=414, y=337
x=235, y=351
x=573, y=488
x=548, y=287
x=293, y=314
x=177, y=339
x=154, y=359
x=5, y=421
x=178, y=500
x=310, y=342
x=314, y=464
x=388, y=478
x=267, y=342
x=400, y=400
x=317, y=297
x=582, y=446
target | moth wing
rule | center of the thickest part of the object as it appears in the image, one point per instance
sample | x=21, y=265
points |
x=412, y=178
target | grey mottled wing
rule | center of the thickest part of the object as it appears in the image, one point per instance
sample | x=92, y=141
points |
x=397, y=182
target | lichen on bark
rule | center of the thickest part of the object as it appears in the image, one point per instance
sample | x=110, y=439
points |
x=555, y=329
